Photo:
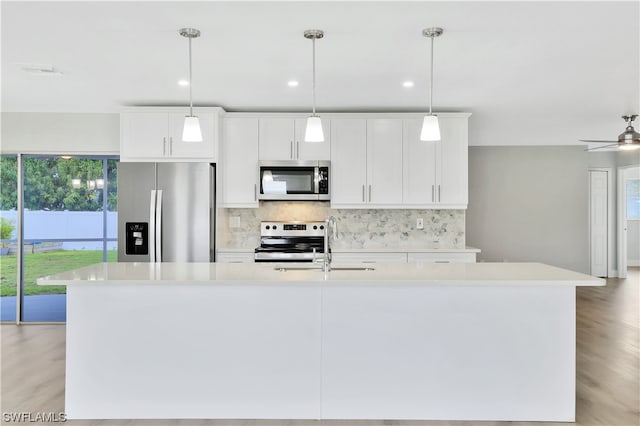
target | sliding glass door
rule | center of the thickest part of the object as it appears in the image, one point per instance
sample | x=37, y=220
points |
x=70, y=208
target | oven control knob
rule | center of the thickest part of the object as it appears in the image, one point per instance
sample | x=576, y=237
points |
x=275, y=227
x=321, y=226
x=267, y=227
x=315, y=226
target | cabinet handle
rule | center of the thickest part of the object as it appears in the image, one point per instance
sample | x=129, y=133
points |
x=369, y=193
x=297, y=150
x=438, y=193
x=170, y=145
x=291, y=154
x=255, y=192
x=363, y=193
x=433, y=193
x=164, y=146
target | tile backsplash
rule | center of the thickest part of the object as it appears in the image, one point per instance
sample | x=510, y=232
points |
x=357, y=228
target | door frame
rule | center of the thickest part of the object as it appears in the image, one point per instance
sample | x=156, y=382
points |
x=622, y=221
x=611, y=272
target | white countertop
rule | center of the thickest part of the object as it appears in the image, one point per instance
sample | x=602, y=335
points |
x=417, y=273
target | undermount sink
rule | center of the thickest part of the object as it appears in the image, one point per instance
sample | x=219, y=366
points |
x=319, y=268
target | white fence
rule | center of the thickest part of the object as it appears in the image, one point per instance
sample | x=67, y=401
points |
x=62, y=225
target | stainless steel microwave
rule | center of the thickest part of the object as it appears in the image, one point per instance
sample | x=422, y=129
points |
x=294, y=180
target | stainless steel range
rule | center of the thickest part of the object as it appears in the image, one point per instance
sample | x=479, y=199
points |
x=290, y=242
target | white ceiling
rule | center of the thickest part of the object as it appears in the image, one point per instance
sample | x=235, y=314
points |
x=530, y=72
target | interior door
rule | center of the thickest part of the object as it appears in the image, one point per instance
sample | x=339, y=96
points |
x=598, y=221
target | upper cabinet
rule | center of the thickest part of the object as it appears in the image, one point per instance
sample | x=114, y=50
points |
x=366, y=163
x=435, y=174
x=155, y=134
x=239, y=162
x=282, y=138
x=382, y=163
x=348, y=162
x=377, y=160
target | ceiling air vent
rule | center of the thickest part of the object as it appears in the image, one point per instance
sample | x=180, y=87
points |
x=39, y=69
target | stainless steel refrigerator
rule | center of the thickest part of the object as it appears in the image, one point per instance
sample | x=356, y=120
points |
x=166, y=212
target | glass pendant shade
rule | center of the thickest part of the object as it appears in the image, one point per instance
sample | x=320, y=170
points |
x=314, y=132
x=430, y=129
x=191, y=131
x=629, y=146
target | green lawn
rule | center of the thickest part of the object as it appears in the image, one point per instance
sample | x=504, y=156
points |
x=40, y=264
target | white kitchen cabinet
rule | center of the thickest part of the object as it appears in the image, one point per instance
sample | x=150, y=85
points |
x=234, y=256
x=366, y=163
x=384, y=161
x=435, y=174
x=348, y=178
x=239, y=162
x=157, y=136
x=446, y=257
x=369, y=257
x=282, y=138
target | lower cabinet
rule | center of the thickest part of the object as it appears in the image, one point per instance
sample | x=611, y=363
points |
x=442, y=257
x=369, y=257
x=366, y=257
x=404, y=257
x=234, y=257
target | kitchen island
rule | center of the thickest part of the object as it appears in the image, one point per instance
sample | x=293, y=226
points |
x=468, y=341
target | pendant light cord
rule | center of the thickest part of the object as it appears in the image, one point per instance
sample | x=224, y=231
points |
x=431, y=79
x=313, y=90
x=190, y=83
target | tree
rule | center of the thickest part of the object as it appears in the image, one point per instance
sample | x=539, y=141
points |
x=8, y=183
x=49, y=184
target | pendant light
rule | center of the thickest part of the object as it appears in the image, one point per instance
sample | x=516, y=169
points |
x=313, y=132
x=191, y=131
x=430, y=127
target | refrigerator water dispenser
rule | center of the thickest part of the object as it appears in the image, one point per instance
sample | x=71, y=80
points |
x=137, y=238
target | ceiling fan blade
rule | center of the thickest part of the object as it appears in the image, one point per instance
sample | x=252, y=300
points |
x=601, y=147
x=597, y=141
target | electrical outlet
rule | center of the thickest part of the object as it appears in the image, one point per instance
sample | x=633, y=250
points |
x=419, y=223
x=234, y=222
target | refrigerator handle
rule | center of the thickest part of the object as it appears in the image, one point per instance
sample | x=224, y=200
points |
x=152, y=227
x=158, y=231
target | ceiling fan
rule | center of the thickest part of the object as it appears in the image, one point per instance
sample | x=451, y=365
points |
x=627, y=140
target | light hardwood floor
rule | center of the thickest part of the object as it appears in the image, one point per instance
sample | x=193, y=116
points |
x=608, y=368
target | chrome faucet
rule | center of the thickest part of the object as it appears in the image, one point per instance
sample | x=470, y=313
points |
x=331, y=222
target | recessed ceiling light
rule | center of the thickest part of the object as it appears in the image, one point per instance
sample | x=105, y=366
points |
x=408, y=84
x=183, y=83
x=292, y=83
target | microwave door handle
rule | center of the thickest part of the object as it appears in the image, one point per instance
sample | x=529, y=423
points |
x=316, y=181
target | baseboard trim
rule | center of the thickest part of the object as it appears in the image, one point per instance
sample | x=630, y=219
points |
x=633, y=262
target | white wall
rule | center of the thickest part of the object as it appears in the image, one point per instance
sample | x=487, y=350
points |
x=60, y=133
x=529, y=204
